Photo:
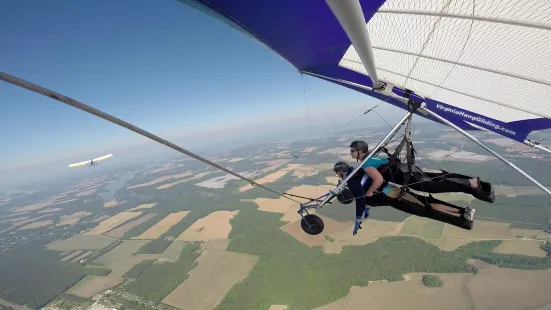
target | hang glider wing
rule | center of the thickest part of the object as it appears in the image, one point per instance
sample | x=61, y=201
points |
x=480, y=64
x=80, y=164
x=103, y=157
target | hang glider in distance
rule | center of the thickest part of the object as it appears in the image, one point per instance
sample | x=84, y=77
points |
x=90, y=163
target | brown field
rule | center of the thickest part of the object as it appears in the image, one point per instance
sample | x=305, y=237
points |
x=36, y=225
x=370, y=232
x=65, y=201
x=217, y=272
x=310, y=170
x=112, y=222
x=50, y=210
x=217, y=244
x=482, y=230
x=213, y=226
x=195, y=177
x=288, y=207
x=87, y=192
x=341, y=151
x=492, y=288
x=110, y=203
x=160, y=169
x=71, y=256
x=520, y=246
x=500, y=288
x=162, y=179
x=447, y=244
x=278, y=307
x=99, y=218
x=35, y=206
x=81, y=242
x=15, y=220
x=234, y=160
x=455, y=237
x=272, y=177
x=82, y=256
x=143, y=206
x=163, y=225
x=331, y=227
x=119, y=231
x=73, y=218
x=92, y=285
x=332, y=180
x=309, y=149
x=121, y=258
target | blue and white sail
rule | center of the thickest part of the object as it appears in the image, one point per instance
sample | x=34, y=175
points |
x=479, y=64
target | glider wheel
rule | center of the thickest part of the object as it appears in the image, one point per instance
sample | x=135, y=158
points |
x=312, y=224
x=345, y=197
x=468, y=225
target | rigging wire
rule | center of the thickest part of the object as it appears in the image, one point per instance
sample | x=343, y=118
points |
x=81, y=106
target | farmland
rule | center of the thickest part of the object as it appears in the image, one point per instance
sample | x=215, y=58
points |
x=163, y=225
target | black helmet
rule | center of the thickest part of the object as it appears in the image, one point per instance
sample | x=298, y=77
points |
x=340, y=166
x=360, y=146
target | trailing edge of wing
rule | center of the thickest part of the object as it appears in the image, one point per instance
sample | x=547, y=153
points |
x=475, y=64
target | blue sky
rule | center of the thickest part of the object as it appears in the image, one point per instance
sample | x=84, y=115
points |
x=158, y=64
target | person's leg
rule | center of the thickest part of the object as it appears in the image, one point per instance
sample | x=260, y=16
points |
x=445, y=182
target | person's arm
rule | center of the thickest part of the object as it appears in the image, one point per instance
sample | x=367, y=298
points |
x=359, y=196
x=377, y=180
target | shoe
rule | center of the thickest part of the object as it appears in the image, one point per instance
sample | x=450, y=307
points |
x=469, y=214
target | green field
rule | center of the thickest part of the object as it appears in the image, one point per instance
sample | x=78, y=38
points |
x=287, y=266
x=154, y=247
x=159, y=279
x=31, y=275
x=432, y=281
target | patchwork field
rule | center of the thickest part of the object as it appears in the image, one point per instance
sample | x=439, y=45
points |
x=119, y=231
x=143, y=206
x=217, y=272
x=110, y=203
x=121, y=258
x=370, y=232
x=195, y=177
x=92, y=285
x=81, y=242
x=220, y=182
x=73, y=218
x=489, y=289
x=36, y=225
x=163, y=225
x=162, y=179
x=112, y=222
x=331, y=227
x=272, y=177
x=423, y=227
x=216, y=225
x=288, y=207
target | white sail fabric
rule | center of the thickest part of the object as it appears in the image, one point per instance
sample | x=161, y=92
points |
x=490, y=57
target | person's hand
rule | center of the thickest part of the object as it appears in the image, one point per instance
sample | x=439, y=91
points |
x=368, y=194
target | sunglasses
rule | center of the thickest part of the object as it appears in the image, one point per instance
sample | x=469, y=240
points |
x=352, y=151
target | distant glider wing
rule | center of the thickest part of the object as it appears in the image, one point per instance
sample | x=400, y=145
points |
x=103, y=157
x=83, y=163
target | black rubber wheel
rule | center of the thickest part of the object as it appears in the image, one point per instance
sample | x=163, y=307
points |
x=468, y=224
x=346, y=196
x=312, y=224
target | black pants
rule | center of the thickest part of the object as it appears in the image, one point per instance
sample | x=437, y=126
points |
x=430, y=182
x=424, y=210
